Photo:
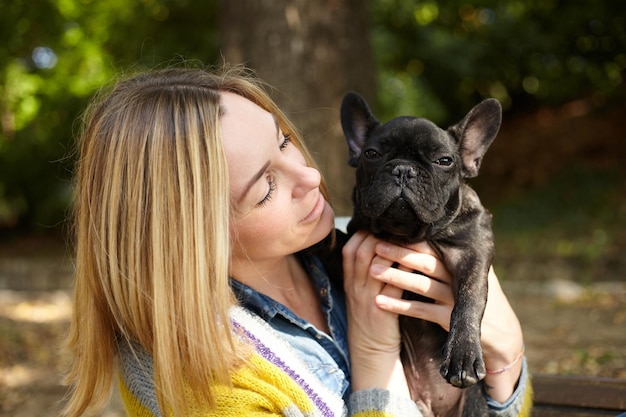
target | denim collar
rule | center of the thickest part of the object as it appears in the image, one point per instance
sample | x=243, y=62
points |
x=268, y=308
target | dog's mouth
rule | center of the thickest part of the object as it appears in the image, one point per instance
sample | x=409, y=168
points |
x=399, y=220
x=401, y=210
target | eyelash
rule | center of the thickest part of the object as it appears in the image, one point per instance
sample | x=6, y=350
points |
x=286, y=141
x=268, y=196
x=271, y=182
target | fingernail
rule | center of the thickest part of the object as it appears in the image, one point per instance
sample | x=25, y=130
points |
x=382, y=301
x=377, y=269
x=383, y=248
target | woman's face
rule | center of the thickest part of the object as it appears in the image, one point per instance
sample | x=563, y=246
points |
x=278, y=206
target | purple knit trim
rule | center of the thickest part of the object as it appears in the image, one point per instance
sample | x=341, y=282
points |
x=267, y=353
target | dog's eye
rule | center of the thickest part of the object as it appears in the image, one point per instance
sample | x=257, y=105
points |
x=446, y=161
x=371, y=154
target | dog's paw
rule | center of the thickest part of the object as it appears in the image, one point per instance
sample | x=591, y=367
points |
x=463, y=366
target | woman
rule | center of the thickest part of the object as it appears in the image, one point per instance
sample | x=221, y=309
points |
x=195, y=203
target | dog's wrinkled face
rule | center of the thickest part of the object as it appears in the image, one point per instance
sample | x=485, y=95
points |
x=408, y=173
x=409, y=170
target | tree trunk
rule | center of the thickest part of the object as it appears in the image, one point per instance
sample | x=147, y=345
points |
x=312, y=53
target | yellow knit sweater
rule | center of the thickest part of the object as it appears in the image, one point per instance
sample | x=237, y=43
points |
x=259, y=389
x=272, y=382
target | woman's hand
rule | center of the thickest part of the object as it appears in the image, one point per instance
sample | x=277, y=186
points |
x=433, y=281
x=501, y=333
x=373, y=333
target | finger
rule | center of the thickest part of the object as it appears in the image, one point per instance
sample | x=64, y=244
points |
x=423, y=247
x=364, y=256
x=439, y=291
x=418, y=257
x=359, y=257
x=348, y=253
x=435, y=313
x=391, y=291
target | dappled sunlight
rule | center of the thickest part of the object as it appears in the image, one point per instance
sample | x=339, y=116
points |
x=21, y=375
x=50, y=307
x=33, y=325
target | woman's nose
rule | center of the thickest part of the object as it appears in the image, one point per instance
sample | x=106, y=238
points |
x=305, y=179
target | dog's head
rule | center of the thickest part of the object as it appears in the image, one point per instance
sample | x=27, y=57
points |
x=408, y=170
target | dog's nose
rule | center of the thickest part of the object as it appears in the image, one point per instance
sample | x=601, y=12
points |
x=404, y=173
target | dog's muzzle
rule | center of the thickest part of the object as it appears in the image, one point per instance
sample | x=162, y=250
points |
x=399, y=220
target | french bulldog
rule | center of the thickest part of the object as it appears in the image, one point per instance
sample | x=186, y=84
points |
x=410, y=187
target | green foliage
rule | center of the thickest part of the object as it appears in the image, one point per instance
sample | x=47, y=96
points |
x=57, y=53
x=442, y=57
x=434, y=59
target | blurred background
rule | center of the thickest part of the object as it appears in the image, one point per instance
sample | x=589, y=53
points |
x=555, y=178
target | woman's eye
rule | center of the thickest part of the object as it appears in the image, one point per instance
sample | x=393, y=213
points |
x=286, y=141
x=446, y=161
x=272, y=187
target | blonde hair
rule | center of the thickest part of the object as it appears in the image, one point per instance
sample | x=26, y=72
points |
x=152, y=234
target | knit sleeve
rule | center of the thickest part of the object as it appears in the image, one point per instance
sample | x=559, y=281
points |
x=258, y=389
x=520, y=403
x=230, y=401
x=379, y=403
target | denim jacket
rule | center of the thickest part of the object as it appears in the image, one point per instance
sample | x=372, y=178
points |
x=325, y=355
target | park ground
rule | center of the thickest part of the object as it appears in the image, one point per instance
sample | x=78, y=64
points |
x=569, y=328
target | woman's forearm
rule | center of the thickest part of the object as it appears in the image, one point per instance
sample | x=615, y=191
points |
x=502, y=343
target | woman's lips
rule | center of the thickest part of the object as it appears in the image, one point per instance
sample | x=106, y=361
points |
x=317, y=210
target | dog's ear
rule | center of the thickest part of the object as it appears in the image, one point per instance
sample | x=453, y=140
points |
x=476, y=132
x=357, y=122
